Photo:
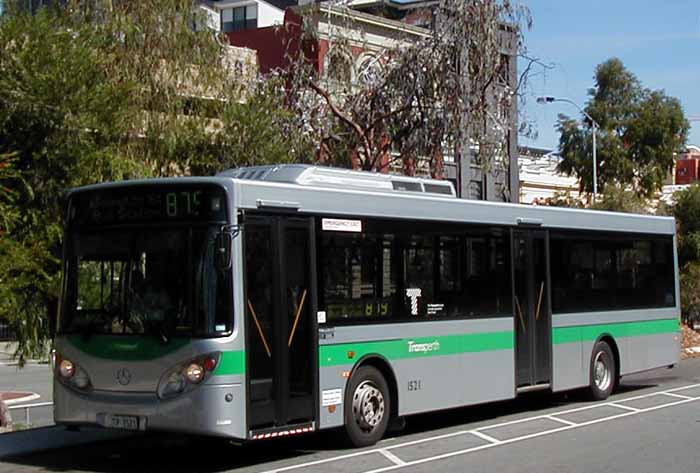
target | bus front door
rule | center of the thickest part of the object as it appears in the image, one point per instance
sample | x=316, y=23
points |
x=281, y=347
x=532, y=310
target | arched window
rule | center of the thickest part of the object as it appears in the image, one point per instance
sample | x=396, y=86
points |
x=369, y=68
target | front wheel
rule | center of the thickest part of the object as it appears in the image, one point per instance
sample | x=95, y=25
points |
x=602, y=372
x=367, y=407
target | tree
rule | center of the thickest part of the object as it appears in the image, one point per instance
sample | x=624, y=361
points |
x=109, y=90
x=447, y=92
x=618, y=199
x=60, y=117
x=640, y=131
x=686, y=210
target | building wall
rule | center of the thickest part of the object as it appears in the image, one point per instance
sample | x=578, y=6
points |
x=688, y=167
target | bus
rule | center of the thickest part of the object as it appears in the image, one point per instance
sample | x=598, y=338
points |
x=272, y=301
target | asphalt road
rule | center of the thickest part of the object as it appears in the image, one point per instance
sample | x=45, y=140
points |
x=651, y=425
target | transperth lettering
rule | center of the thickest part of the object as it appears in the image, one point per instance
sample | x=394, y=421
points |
x=423, y=347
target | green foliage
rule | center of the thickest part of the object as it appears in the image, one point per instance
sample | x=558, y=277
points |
x=640, y=130
x=617, y=199
x=614, y=199
x=103, y=91
x=259, y=131
x=690, y=291
x=686, y=210
x=563, y=199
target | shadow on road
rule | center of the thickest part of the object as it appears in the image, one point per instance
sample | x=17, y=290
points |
x=172, y=453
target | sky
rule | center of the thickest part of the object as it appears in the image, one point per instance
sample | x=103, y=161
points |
x=657, y=40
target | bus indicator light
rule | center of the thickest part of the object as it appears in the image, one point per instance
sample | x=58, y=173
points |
x=345, y=374
x=351, y=355
x=210, y=363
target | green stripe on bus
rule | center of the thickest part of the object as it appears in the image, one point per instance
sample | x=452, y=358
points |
x=126, y=348
x=231, y=363
x=581, y=333
x=419, y=347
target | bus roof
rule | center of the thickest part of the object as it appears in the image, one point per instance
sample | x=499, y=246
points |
x=347, y=200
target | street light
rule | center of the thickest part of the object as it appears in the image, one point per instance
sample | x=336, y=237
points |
x=549, y=99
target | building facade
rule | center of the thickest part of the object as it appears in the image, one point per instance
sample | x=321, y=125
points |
x=539, y=177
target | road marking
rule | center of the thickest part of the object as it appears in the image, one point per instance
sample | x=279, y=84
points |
x=561, y=421
x=680, y=396
x=621, y=406
x=391, y=457
x=483, y=436
x=527, y=437
x=557, y=414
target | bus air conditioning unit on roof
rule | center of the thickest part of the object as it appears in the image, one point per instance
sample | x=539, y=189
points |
x=336, y=178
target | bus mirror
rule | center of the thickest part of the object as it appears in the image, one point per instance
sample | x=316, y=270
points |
x=223, y=250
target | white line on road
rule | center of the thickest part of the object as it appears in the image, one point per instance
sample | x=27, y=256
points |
x=527, y=437
x=679, y=396
x=391, y=457
x=561, y=421
x=629, y=412
x=622, y=406
x=483, y=436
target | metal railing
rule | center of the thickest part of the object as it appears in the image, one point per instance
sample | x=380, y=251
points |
x=28, y=407
x=6, y=334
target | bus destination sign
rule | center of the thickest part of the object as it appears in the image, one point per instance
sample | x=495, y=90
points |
x=143, y=204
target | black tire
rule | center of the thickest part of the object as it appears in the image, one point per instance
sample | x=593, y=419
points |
x=367, y=389
x=602, y=372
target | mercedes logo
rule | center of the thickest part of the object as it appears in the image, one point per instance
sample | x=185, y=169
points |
x=124, y=376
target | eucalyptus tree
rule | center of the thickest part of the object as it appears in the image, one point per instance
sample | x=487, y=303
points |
x=448, y=89
x=640, y=131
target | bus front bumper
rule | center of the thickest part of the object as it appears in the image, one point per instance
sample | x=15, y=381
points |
x=208, y=410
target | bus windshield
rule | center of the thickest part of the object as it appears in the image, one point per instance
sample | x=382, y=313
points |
x=162, y=281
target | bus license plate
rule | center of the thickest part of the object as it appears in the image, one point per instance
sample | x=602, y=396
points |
x=122, y=422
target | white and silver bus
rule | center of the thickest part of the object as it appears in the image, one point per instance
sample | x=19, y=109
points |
x=270, y=301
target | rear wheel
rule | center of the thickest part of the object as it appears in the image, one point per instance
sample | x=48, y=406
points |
x=603, y=372
x=367, y=407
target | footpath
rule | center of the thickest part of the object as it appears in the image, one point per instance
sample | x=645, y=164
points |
x=15, y=397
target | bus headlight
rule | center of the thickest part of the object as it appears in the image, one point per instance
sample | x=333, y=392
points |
x=187, y=376
x=194, y=373
x=66, y=369
x=71, y=374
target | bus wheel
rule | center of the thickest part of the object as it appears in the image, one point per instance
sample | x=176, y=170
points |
x=367, y=408
x=602, y=372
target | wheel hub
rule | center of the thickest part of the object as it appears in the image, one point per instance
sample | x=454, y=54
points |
x=368, y=406
x=601, y=371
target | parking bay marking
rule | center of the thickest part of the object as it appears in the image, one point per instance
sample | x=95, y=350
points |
x=679, y=396
x=628, y=412
x=391, y=457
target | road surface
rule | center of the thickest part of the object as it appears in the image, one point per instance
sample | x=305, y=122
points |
x=652, y=424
